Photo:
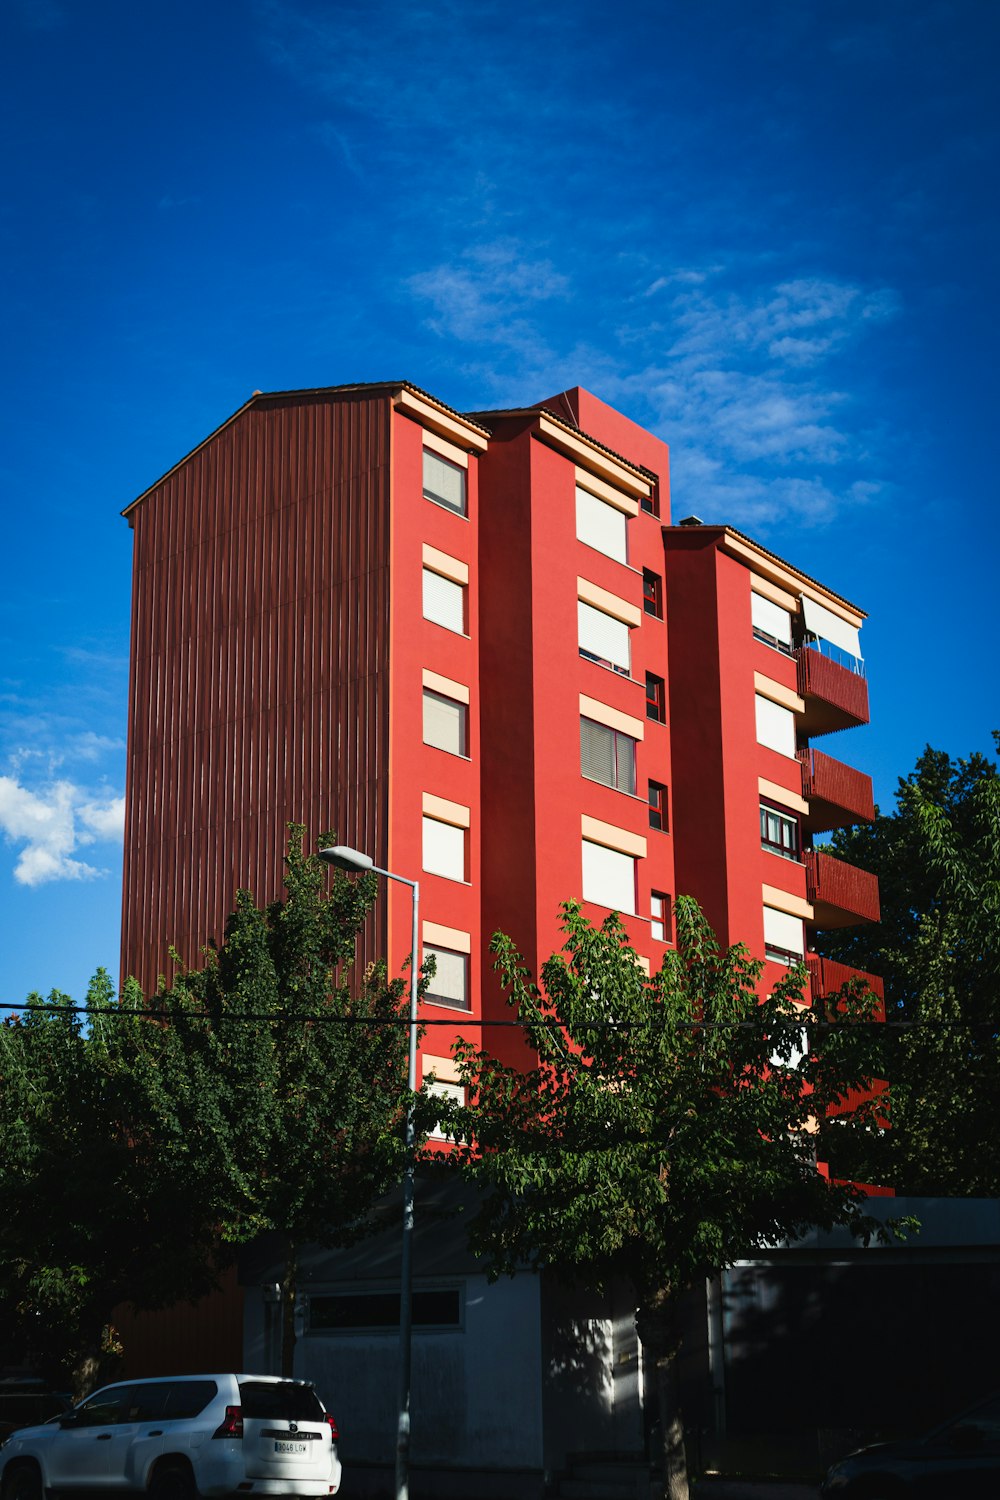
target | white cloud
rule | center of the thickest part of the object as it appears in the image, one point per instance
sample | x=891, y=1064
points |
x=52, y=821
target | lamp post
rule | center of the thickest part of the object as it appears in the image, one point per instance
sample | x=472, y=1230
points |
x=354, y=861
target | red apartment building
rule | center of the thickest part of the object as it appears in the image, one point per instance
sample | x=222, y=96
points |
x=475, y=647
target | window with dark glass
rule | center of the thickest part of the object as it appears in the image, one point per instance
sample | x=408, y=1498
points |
x=779, y=832
x=651, y=503
x=652, y=593
x=657, y=805
x=656, y=699
x=607, y=755
x=438, y=1307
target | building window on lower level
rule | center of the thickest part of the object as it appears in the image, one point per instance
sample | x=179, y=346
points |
x=656, y=698
x=449, y=984
x=784, y=937
x=353, y=1312
x=779, y=832
x=658, y=806
x=660, y=916
x=608, y=877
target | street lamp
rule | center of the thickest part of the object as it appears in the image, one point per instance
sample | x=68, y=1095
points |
x=343, y=858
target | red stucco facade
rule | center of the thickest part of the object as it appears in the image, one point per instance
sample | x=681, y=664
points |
x=281, y=654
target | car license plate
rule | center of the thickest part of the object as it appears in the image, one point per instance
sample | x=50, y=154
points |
x=284, y=1447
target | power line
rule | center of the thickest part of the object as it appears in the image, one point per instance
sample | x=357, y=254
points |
x=808, y=1019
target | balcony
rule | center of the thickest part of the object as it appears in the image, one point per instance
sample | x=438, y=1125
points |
x=835, y=697
x=841, y=894
x=837, y=794
x=828, y=977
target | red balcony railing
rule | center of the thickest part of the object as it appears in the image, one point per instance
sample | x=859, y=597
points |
x=836, y=697
x=841, y=893
x=828, y=977
x=837, y=794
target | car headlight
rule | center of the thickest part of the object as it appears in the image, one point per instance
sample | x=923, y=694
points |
x=837, y=1479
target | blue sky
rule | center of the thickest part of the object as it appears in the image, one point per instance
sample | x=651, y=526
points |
x=767, y=230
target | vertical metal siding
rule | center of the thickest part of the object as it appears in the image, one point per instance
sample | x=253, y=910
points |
x=259, y=667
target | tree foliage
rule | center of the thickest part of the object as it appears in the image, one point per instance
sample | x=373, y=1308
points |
x=937, y=949
x=668, y=1130
x=265, y=1092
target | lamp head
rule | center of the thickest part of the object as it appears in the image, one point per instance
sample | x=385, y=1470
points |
x=343, y=858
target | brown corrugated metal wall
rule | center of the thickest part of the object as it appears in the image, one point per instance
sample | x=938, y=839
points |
x=259, y=692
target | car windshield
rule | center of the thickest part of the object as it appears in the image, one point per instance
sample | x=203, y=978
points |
x=280, y=1400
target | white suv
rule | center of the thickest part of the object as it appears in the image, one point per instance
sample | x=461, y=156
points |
x=178, y=1438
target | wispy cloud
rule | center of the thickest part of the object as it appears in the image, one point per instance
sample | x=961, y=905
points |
x=752, y=383
x=51, y=822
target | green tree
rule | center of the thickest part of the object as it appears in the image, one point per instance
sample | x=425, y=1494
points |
x=669, y=1129
x=937, y=949
x=263, y=1092
x=98, y=1206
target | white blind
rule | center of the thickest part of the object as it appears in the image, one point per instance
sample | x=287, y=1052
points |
x=771, y=619
x=441, y=1090
x=823, y=622
x=445, y=722
x=781, y=930
x=444, y=482
x=602, y=526
x=451, y=980
x=608, y=877
x=444, y=602
x=775, y=726
x=444, y=849
x=603, y=636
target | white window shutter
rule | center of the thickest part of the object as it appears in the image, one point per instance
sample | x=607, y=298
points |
x=603, y=636
x=770, y=619
x=451, y=979
x=601, y=526
x=782, y=930
x=775, y=726
x=608, y=877
x=444, y=602
x=443, y=849
x=444, y=723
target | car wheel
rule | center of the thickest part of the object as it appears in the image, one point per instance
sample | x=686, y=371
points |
x=22, y=1482
x=172, y=1481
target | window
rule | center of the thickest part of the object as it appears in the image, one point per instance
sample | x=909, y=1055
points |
x=656, y=698
x=784, y=937
x=608, y=877
x=775, y=726
x=651, y=503
x=779, y=832
x=443, y=849
x=607, y=755
x=450, y=984
x=437, y=1307
x=658, y=806
x=603, y=638
x=444, y=601
x=660, y=916
x=652, y=593
x=454, y=1092
x=446, y=723
x=601, y=526
x=444, y=483
x=771, y=623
